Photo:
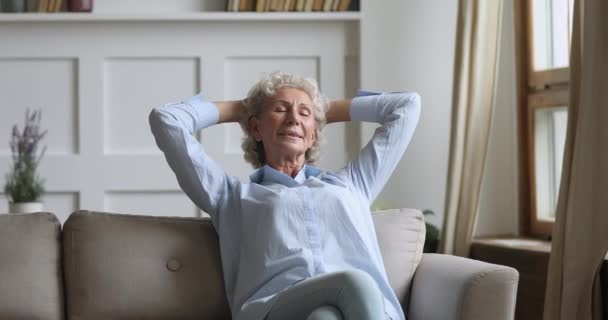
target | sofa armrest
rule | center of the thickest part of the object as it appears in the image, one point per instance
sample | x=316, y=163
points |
x=450, y=287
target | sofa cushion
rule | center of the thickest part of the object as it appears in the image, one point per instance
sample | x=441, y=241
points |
x=30, y=267
x=142, y=267
x=400, y=234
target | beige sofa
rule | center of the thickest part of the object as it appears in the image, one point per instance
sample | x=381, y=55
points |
x=117, y=266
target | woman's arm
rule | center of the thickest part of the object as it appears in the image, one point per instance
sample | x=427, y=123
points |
x=339, y=111
x=174, y=127
x=398, y=115
x=230, y=111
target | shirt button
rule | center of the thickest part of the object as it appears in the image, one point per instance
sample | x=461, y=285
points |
x=174, y=265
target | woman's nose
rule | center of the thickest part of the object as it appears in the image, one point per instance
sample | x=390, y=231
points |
x=293, y=118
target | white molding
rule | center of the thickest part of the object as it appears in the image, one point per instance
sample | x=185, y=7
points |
x=180, y=16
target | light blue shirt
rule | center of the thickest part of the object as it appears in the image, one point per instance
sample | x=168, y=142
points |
x=277, y=230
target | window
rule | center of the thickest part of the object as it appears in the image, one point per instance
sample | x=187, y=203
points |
x=543, y=30
x=551, y=30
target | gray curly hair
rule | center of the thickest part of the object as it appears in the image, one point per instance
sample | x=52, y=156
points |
x=254, y=104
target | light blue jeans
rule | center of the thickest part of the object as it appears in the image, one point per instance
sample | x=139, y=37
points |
x=344, y=295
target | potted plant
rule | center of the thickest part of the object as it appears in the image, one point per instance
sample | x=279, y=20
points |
x=24, y=187
x=431, y=241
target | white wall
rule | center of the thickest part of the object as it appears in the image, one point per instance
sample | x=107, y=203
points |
x=409, y=45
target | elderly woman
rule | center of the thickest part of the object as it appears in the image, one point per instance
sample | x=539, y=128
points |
x=296, y=241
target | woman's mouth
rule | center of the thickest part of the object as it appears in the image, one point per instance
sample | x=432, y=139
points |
x=290, y=134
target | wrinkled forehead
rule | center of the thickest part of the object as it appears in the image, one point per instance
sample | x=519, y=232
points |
x=291, y=95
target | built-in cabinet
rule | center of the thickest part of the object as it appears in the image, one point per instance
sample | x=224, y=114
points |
x=96, y=76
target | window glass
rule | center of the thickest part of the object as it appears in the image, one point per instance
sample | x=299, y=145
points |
x=551, y=33
x=549, y=140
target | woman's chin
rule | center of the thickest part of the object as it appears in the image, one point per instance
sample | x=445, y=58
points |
x=289, y=147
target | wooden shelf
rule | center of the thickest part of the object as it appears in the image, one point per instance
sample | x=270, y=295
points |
x=187, y=16
x=516, y=244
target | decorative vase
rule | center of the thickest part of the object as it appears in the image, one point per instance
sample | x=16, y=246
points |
x=80, y=5
x=25, y=207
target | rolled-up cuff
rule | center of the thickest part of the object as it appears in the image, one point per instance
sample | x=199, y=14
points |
x=207, y=111
x=363, y=107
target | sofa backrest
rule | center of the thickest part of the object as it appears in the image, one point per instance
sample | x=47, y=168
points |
x=119, y=266
x=30, y=267
x=400, y=234
x=136, y=267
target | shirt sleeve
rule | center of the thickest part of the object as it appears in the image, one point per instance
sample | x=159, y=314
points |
x=398, y=114
x=200, y=177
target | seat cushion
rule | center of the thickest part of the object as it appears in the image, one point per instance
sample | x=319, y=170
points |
x=30, y=267
x=142, y=267
x=400, y=234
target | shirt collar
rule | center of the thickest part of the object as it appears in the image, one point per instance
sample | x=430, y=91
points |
x=268, y=175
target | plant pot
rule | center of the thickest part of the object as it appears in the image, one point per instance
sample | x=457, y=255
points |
x=25, y=207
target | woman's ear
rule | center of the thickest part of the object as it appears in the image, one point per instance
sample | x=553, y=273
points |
x=254, y=128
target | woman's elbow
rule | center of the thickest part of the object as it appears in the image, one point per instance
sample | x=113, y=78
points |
x=158, y=119
x=409, y=104
x=414, y=104
x=154, y=118
x=412, y=101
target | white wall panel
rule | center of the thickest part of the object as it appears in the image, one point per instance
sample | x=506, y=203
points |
x=137, y=173
x=97, y=100
x=3, y=203
x=62, y=204
x=133, y=86
x=157, y=203
x=48, y=84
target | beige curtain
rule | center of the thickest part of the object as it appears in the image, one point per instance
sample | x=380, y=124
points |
x=473, y=99
x=580, y=233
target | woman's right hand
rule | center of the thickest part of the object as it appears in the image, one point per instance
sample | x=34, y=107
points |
x=230, y=111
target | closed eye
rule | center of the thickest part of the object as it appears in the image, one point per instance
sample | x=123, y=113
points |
x=305, y=110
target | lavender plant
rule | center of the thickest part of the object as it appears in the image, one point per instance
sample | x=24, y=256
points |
x=23, y=184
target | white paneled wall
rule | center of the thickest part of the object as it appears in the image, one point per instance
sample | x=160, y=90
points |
x=46, y=83
x=409, y=45
x=96, y=82
x=131, y=86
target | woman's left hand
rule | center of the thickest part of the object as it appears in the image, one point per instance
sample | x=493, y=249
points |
x=339, y=111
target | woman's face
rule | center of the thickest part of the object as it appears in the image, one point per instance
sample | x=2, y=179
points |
x=286, y=125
